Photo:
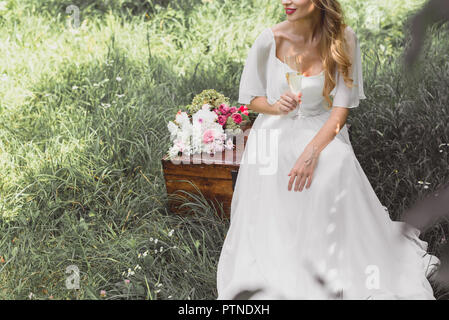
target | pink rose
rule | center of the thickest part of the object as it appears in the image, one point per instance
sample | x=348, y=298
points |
x=226, y=109
x=237, y=117
x=208, y=136
x=222, y=119
x=233, y=109
x=222, y=107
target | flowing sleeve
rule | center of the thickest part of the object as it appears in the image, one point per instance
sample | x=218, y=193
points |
x=253, y=81
x=343, y=95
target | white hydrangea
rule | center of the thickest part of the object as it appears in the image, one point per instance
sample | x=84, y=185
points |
x=204, y=117
x=183, y=120
x=208, y=148
x=197, y=137
x=173, y=129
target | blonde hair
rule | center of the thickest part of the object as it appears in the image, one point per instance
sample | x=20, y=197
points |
x=334, y=47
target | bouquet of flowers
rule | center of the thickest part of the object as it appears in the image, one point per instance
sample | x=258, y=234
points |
x=209, y=128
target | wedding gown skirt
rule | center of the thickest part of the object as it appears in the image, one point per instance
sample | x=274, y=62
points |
x=333, y=240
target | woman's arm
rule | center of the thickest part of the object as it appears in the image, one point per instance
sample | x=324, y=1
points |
x=261, y=105
x=286, y=103
x=330, y=129
x=306, y=163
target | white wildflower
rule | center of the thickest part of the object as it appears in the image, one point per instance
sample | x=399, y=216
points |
x=130, y=272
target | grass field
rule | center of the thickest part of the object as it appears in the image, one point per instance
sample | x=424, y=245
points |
x=83, y=114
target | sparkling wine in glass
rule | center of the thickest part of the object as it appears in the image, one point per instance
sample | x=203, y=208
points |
x=293, y=73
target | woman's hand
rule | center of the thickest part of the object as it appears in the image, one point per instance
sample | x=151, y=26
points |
x=287, y=102
x=303, y=169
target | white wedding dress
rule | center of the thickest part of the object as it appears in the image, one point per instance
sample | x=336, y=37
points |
x=284, y=242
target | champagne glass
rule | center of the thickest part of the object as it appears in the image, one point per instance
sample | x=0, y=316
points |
x=293, y=73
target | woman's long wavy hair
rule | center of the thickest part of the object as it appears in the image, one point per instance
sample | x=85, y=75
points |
x=334, y=48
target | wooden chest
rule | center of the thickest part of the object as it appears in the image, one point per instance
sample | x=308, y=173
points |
x=210, y=179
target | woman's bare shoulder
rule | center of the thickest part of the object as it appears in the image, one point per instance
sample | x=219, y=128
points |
x=278, y=29
x=278, y=33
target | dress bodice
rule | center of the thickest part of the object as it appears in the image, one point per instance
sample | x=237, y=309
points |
x=312, y=101
x=264, y=75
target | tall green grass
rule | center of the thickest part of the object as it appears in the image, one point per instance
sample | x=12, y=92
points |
x=83, y=116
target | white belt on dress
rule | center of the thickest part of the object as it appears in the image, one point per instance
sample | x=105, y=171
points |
x=305, y=115
x=315, y=107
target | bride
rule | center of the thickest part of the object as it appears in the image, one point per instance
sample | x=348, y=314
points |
x=305, y=221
